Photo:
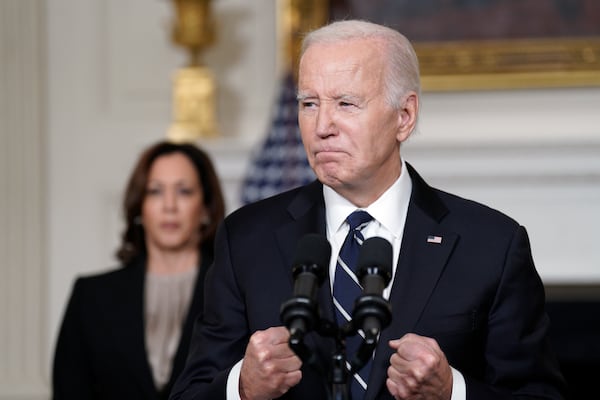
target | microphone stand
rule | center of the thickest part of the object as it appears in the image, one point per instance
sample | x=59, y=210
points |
x=339, y=377
x=339, y=388
x=371, y=312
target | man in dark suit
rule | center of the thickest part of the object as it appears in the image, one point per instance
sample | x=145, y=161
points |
x=468, y=305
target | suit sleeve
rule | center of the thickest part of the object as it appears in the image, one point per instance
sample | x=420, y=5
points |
x=221, y=336
x=517, y=352
x=71, y=377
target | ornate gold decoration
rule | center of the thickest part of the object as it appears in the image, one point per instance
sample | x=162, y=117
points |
x=194, y=92
x=505, y=64
x=477, y=64
x=298, y=17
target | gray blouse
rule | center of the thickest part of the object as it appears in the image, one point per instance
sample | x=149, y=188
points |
x=167, y=299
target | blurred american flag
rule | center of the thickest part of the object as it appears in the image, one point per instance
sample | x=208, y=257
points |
x=281, y=162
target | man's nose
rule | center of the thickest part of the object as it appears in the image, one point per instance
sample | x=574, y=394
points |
x=325, y=120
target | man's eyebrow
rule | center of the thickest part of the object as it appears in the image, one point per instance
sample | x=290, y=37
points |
x=302, y=96
x=347, y=96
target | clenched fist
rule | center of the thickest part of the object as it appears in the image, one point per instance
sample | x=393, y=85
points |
x=418, y=369
x=270, y=368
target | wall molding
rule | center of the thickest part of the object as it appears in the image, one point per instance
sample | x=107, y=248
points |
x=23, y=287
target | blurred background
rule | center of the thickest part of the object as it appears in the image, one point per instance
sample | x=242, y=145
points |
x=86, y=84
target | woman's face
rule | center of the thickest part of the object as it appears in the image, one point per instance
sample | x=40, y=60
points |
x=173, y=207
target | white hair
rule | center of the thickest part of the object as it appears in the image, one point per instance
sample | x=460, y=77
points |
x=402, y=65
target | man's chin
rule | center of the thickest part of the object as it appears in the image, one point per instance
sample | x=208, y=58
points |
x=329, y=178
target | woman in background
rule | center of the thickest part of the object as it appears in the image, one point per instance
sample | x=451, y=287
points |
x=125, y=333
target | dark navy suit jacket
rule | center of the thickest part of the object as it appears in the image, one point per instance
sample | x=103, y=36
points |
x=477, y=293
x=100, y=352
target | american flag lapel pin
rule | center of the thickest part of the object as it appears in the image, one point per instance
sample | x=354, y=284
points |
x=434, y=239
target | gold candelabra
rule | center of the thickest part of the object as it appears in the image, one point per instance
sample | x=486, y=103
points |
x=194, y=92
x=298, y=17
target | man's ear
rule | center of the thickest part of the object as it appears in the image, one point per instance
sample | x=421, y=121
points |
x=407, y=117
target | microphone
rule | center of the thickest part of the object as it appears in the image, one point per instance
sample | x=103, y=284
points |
x=371, y=311
x=309, y=269
x=374, y=272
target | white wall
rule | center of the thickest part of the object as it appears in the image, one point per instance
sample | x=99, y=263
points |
x=23, y=284
x=534, y=154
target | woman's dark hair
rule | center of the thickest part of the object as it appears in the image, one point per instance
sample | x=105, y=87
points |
x=133, y=241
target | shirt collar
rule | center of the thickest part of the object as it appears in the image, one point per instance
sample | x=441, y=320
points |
x=389, y=209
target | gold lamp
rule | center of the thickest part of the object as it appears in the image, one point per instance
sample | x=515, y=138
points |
x=194, y=92
x=298, y=17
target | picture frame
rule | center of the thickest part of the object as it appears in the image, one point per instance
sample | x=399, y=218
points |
x=475, y=44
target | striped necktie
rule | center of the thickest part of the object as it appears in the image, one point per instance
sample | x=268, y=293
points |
x=346, y=289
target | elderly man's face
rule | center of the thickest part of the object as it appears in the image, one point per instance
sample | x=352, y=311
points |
x=351, y=134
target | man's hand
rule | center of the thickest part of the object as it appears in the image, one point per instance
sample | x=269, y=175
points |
x=270, y=368
x=418, y=369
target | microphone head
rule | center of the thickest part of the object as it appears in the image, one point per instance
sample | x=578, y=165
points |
x=375, y=257
x=313, y=251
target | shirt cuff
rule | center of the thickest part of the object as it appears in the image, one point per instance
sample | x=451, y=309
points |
x=459, y=387
x=233, y=382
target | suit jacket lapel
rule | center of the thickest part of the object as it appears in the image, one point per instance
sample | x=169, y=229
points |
x=307, y=212
x=307, y=215
x=128, y=317
x=421, y=262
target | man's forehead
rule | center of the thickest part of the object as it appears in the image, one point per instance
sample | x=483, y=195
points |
x=339, y=74
x=336, y=58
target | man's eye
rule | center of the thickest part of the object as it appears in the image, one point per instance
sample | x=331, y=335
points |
x=308, y=104
x=346, y=104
